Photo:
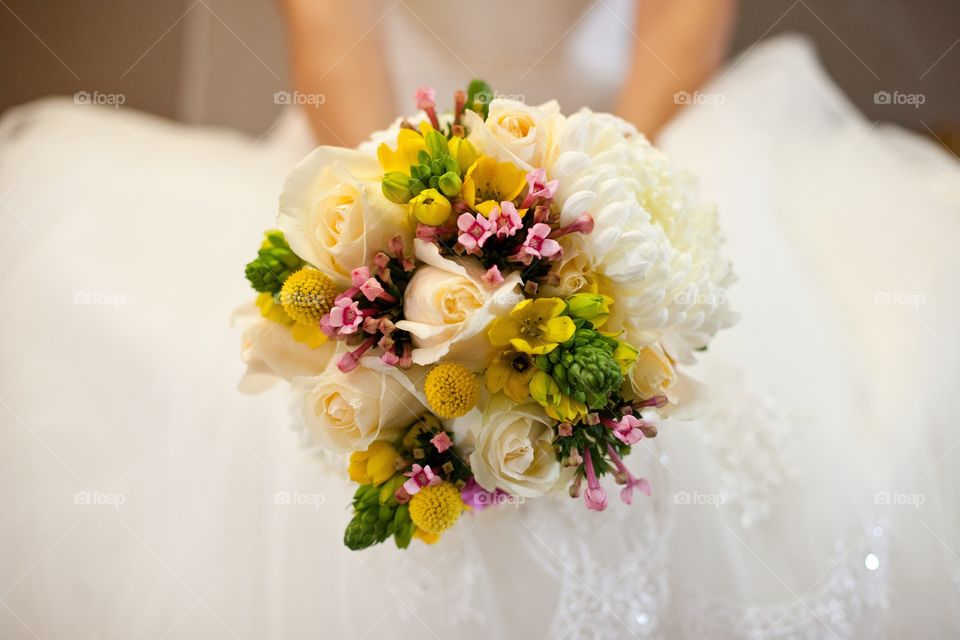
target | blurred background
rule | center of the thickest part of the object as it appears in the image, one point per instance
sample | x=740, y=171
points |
x=219, y=62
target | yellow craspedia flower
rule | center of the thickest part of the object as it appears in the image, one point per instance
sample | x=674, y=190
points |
x=533, y=326
x=487, y=183
x=307, y=295
x=375, y=465
x=435, y=509
x=451, y=390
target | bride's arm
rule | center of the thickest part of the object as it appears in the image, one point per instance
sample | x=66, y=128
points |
x=677, y=45
x=336, y=50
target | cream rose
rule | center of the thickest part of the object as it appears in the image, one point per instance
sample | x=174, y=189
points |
x=516, y=132
x=447, y=307
x=271, y=353
x=513, y=450
x=653, y=374
x=347, y=411
x=333, y=213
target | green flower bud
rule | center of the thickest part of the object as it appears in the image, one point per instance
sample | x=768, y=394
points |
x=463, y=152
x=450, y=184
x=275, y=262
x=396, y=187
x=592, y=307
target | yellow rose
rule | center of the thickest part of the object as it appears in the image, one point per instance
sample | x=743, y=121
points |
x=513, y=448
x=447, y=308
x=516, y=132
x=348, y=411
x=334, y=214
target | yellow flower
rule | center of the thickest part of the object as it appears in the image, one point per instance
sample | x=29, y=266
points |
x=271, y=309
x=533, y=326
x=463, y=152
x=430, y=207
x=375, y=465
x=429, y=538
x=409, y=144
x=451, y=390
x=558, y=406
x=511, y=373
x=487, y=183
x=307, y=295
x=626, y=357
x=435, y=509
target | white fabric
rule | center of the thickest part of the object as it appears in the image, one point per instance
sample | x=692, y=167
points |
x=146, y=498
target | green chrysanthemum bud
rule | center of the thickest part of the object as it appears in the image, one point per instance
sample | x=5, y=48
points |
x=450, y=184
x=585, y=367
x=275, y=262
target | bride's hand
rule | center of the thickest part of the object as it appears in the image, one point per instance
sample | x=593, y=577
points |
x=678, y=44
x=339, y=68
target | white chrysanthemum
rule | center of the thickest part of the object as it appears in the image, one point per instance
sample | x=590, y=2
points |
x=655, y=248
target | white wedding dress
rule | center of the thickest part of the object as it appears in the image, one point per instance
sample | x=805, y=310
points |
x=145, y=498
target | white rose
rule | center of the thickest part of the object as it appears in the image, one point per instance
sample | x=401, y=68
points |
x=516, y=132
x=271, y=353
x=447, y=308
x=513, y=449
x=333, y=213
x=347, y=411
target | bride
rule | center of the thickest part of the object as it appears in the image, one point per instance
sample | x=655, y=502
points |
x=815, y=498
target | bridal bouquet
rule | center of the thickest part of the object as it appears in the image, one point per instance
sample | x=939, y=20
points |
x=483, y=306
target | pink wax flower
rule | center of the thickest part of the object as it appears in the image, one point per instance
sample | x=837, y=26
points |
x=641, y=484
x=441, y=441
x=506, y=220
x=538, y=244
x=426, y=98
x=539, y=188
x=345, y=317
x=420, y=477
x=373, y=290
x=492, y=277
x=475, y=229
x=627, y=429
x=594, y=497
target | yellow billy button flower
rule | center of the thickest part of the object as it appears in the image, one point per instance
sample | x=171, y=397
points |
x=430, y=207
x=307, y=295
x=487, y=183
x=451, y=390
x=533, y=326
x=428, y=538
x=375, y=465
x=511, y=373
x=435, y=509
